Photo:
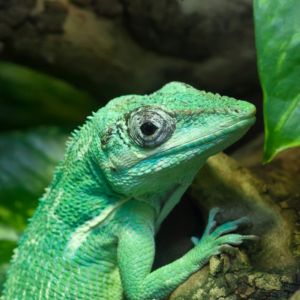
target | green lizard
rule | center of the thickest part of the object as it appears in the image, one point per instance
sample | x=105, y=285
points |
x=92, y=236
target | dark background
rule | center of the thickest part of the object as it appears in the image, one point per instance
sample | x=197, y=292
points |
x=110, y=48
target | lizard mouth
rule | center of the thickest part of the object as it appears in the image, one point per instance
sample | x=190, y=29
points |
x=197, y=140
x=193, y=141
x=192, y=144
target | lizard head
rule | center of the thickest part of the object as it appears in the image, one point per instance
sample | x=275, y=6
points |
x=158, y=139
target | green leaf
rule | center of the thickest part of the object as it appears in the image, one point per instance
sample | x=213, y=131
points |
x=27, y=161
x=277, y=25
x=30, y=98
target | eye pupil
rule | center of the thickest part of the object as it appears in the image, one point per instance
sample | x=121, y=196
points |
x=148, y=128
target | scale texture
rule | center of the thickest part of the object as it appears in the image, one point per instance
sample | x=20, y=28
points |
x=92, y=235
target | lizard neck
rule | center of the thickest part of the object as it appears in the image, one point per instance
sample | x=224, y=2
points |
x=73, y=198
x=40, y=265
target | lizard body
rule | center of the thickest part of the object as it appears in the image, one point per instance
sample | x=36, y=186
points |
x=92, y=235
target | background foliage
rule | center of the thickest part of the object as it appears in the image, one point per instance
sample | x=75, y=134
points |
x=45, y=109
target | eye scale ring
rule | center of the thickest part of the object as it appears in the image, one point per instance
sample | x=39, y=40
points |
x=150, y=126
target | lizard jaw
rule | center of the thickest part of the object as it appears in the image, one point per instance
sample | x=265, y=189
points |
x=193, y=142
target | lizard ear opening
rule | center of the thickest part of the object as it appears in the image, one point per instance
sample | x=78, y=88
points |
x=150, y=127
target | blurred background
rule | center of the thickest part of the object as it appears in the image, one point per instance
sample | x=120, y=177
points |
x=94, y=50
x=60, y=60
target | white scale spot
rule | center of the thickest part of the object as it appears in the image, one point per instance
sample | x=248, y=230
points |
x=48, y=289
x=55, y=205
x=83, y=150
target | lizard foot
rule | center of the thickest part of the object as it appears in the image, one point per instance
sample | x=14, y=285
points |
x=220, y=239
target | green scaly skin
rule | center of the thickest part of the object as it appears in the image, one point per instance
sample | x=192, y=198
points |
x=92, y=236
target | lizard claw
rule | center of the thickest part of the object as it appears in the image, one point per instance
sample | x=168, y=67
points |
x=229, y=226
x=211, y=223
x=195, y=240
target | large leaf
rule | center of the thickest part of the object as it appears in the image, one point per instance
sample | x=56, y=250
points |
x=27, y=160
x=277, y=25
x=30, y=98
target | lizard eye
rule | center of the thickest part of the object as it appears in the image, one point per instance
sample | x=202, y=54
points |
x=150, y=126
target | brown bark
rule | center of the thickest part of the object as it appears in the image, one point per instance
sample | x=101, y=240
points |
x=269, y=195
x=129, y=46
